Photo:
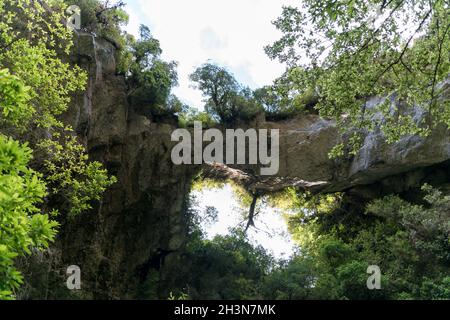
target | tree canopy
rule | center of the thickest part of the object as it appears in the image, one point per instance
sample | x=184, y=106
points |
x=226, y=100
x=150, y=79
x=351, y=51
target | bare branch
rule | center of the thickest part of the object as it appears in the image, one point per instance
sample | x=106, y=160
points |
x=402, y=53
x=251, y=213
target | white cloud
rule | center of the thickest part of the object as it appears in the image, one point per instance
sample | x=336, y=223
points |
x=210, y=40
x=232, y=33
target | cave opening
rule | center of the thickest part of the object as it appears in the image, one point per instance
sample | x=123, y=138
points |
x=223, y=207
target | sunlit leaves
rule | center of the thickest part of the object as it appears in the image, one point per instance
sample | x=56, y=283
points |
x=22, y=226
x=14, y=98
x=70, y=175
x=36, y=86
x=225, y=99
x=351, y=51
x=149, y=77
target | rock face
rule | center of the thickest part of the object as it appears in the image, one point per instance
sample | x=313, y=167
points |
x=124, y=245
x=304, y=146
x=141, y=220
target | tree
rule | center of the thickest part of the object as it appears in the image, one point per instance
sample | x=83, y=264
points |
x=190, y=115
x=218, y=86
x=291, y=280
x=408, y=241
x=272, y=102
x=286, y=97
x=150, y=79
x=22, y=225
x=32, y=55
x=226, y=100
x=104, y=18
x=226, y=267
x=350, y=51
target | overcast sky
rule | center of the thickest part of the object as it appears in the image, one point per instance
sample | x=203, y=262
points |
x=232, y=33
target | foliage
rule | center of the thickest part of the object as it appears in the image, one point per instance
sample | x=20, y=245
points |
x=32, y=56
x=201, y=184
x=188, y=117
x=14, y=98
x=226, y=267
x=350, y=51
x=226, y=100
x=286, y=98
x=36, y=85
x=409, y=242
x=22, y=225
x=182, y=296
x=291, y=280
x=275, y=105
x=71, y=176
x=150, y=79
x=175, y=105
x=103, y=17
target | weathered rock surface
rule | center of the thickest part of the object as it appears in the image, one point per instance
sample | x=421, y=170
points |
x=141, y=219
x=305, y=143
